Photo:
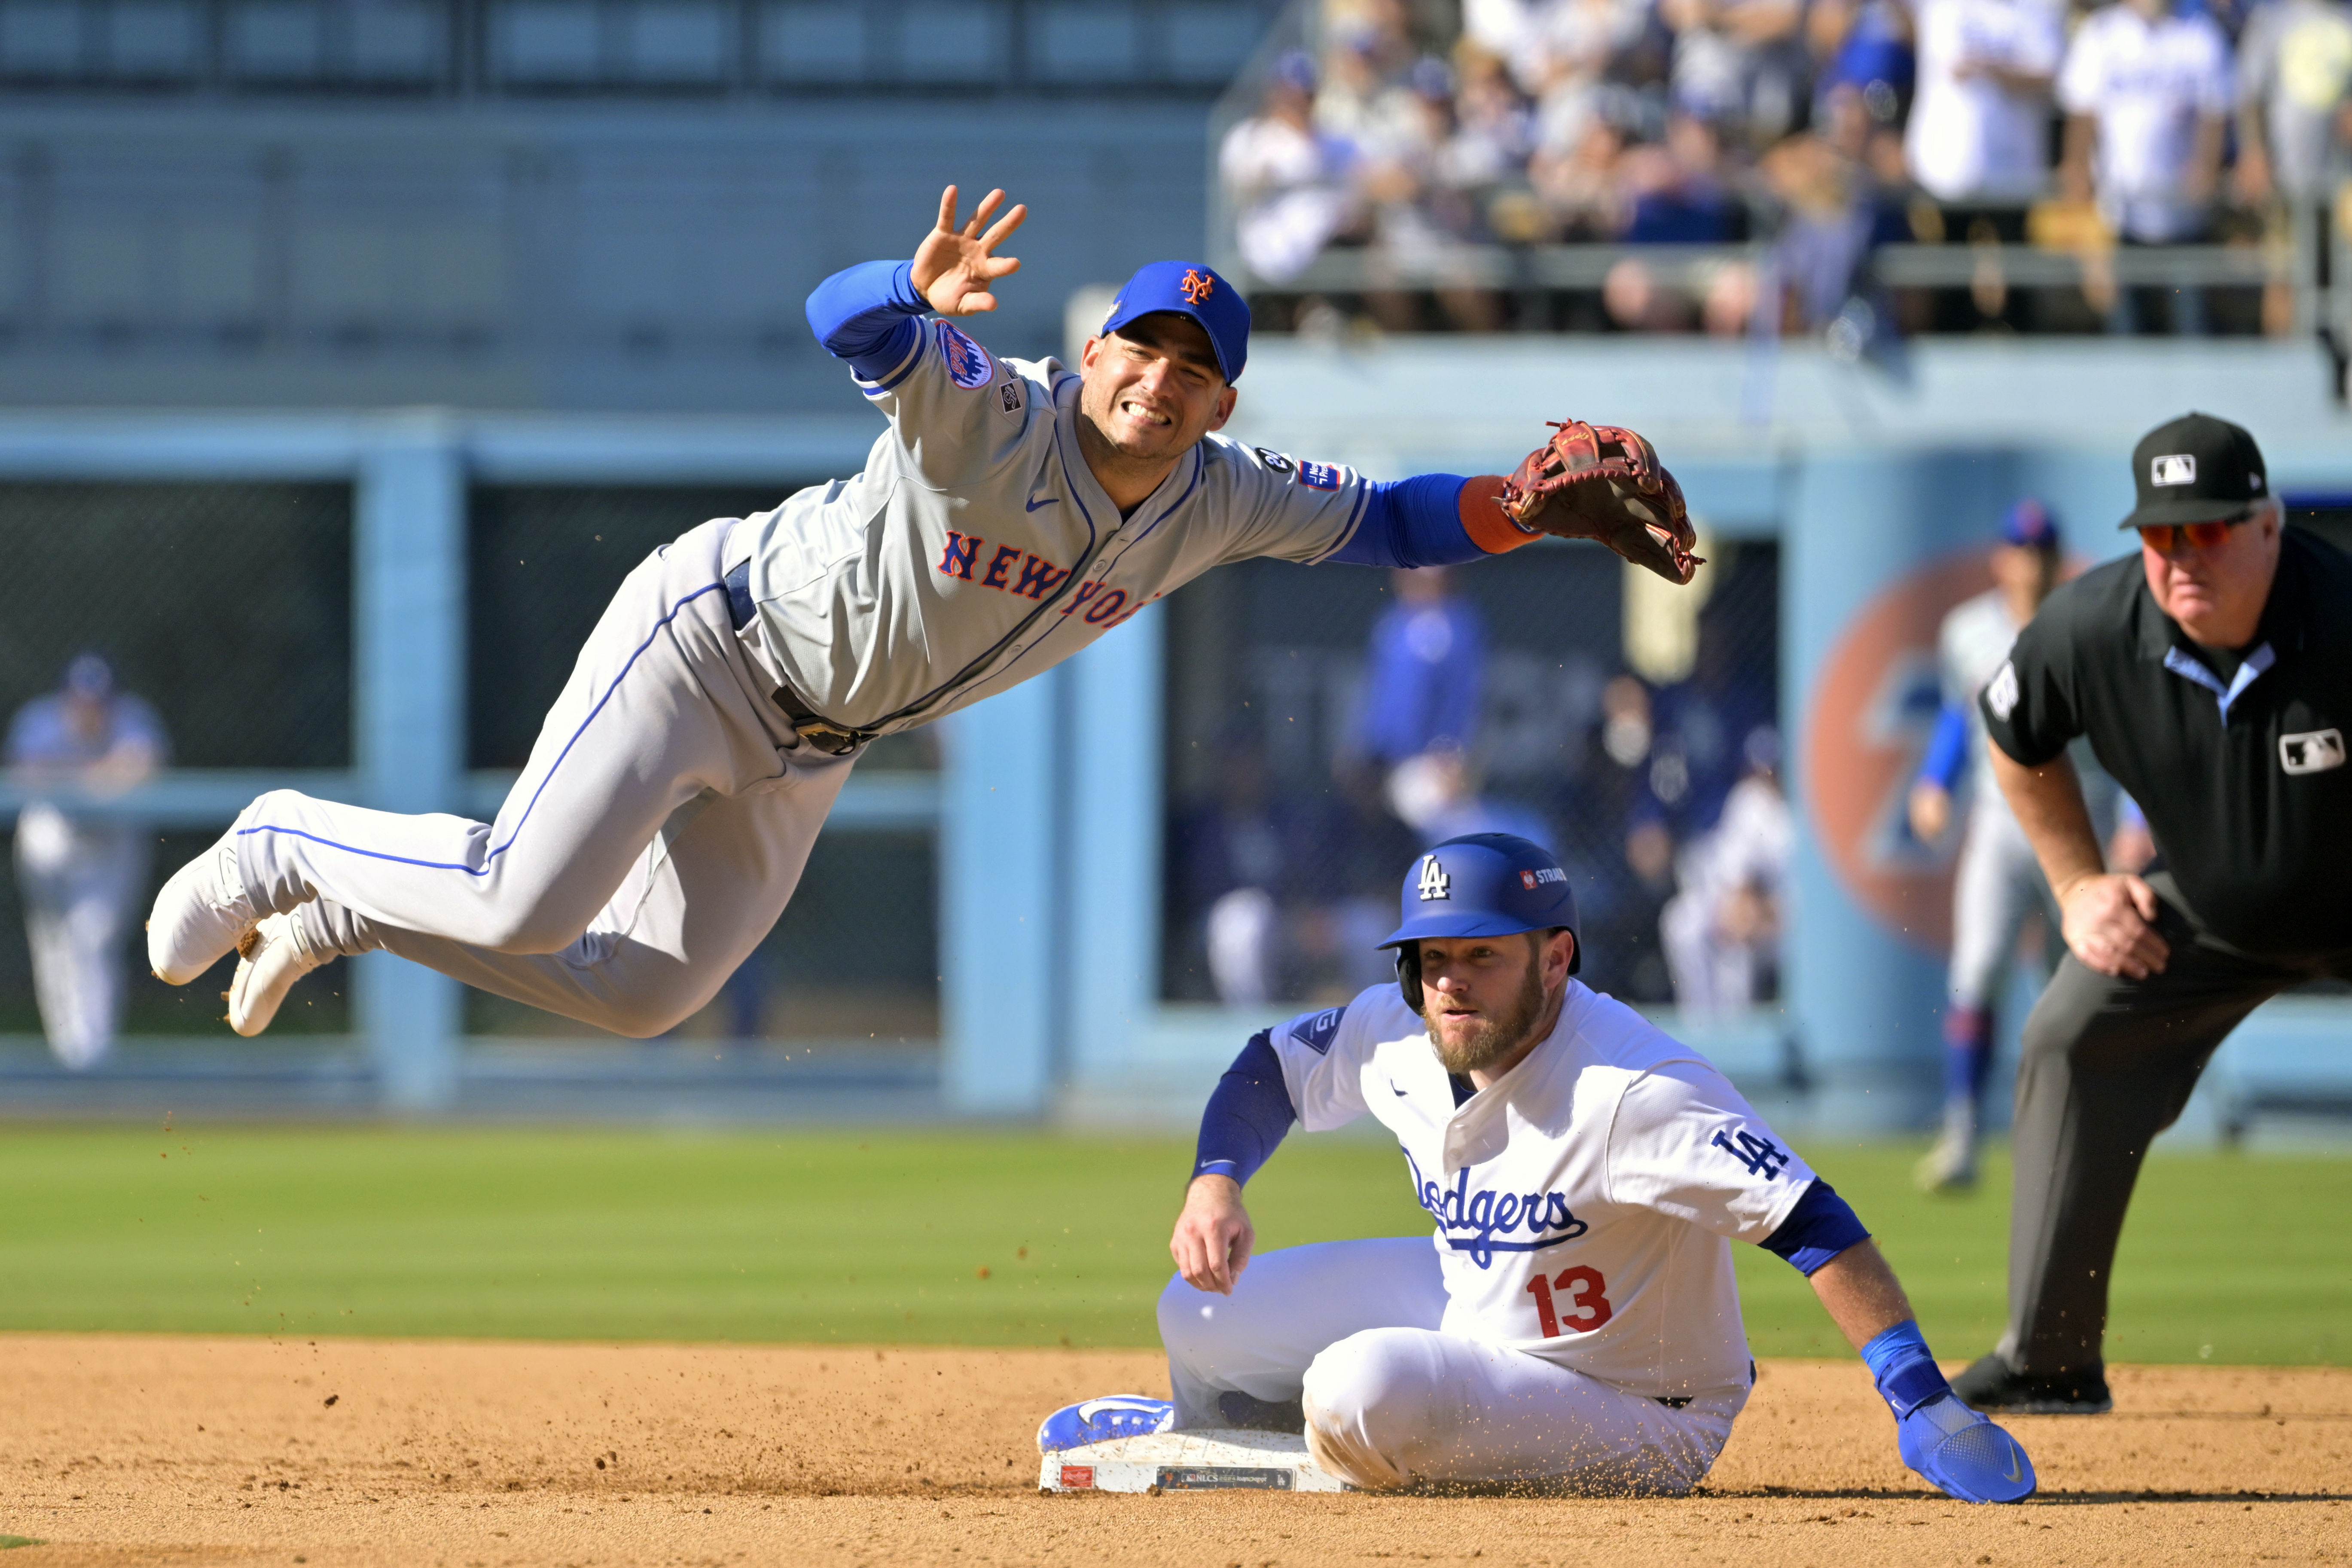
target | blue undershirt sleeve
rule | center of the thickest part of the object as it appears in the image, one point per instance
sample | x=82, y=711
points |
x=867, y=314
x=1411, y=523
x=1947, y=749
x=1247, y=1114
x=1821, y=1225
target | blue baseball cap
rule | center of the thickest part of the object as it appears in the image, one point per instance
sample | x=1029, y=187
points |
x=2029, y=522
x=1486, y=884
x=1188, y=288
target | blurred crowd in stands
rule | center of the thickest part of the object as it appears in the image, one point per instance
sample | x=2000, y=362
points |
x=1817, y=129
x=1665, y=807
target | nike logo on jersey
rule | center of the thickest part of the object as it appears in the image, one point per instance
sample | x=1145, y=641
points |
x=1032, y=504
x=1400, y=1093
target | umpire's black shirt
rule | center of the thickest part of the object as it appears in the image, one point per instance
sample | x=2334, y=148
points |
x=2238, y=760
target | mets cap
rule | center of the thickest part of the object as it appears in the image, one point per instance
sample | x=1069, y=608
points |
x=1188, y=288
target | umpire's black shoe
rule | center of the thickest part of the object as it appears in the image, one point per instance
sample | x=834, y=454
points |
x=1988, y=1385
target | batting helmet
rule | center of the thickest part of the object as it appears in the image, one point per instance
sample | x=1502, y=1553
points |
x=1480, y=884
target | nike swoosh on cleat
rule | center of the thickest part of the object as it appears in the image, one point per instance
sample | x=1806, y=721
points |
x=1093, y=1407
x=2016, y=1471
x=1033, y=505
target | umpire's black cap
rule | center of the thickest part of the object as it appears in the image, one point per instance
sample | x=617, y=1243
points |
x=2197, y=468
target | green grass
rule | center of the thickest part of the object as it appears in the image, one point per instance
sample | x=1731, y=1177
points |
x=880, y=1238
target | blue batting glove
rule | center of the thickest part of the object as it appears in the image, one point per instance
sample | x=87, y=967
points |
x=1960, y=1453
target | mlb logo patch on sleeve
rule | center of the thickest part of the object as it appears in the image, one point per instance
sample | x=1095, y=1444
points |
x=1319, y=476
x=969, y=365
x=1316, y=1031
x=2315, y=751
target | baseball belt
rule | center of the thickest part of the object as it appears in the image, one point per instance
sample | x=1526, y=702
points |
x=826, y=736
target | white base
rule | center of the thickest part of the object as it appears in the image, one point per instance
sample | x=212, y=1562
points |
x=1206, y=1460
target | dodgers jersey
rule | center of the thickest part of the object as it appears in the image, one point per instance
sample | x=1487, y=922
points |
x=977, y=549
x=1584, y=1202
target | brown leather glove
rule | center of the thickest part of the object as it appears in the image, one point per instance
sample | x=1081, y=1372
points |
x=1598, y=482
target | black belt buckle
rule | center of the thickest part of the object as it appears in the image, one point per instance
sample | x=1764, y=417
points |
x=828, y=737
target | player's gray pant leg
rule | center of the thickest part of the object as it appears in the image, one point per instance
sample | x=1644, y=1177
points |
x=1287, y=1306
x=659, y=830
x=1996, y=886
x=700, y=898
x=2106, y=1064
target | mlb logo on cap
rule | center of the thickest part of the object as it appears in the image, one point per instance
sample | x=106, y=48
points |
x=2173, y=468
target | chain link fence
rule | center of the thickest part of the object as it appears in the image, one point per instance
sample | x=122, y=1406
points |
x=856, y=953
x=1311, y=754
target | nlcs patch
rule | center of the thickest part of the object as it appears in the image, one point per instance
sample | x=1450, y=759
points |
x=1319, y=476
x=969, y=365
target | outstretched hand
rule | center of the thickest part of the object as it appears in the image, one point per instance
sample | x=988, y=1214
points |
x=954, y=266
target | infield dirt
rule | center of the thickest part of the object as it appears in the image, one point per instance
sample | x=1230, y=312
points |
x=120, y=1450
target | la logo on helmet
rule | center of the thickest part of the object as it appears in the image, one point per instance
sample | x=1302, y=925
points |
x=1197, y=287
x=1434, y=882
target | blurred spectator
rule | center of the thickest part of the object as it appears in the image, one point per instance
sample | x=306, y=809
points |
x=1674, y=193
x=1979, y=131
x=82, y=876
x=1722, y=932
x=2295, y=90
x=1287, y=179
x=1739, y=63
x=1239, y=861
x=2148, y=92
x=1438, y=794
x=1424, y=672
x=1612, y=816
x=2294, y=125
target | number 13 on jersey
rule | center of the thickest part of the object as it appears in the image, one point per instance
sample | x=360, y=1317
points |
x=1587, y=1297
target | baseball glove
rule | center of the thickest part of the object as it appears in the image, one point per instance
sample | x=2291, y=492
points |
x=1598, y=482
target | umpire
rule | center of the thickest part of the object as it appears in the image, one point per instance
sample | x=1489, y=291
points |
x=2213, y=674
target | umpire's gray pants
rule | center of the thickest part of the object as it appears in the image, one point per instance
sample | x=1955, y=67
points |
x=2104, y=1066
x=658, y=831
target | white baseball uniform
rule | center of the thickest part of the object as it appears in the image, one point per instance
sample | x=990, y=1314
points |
x=1573, y=1320
x=668, y=806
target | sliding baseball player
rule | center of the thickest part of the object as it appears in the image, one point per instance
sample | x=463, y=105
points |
x=1013, y=512
x=1571, y=1322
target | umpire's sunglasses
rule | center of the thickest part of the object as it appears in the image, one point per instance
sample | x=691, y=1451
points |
x=2165, y=538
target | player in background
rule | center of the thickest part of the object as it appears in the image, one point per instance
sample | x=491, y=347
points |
x=1998, y=883
x=81, y=873
x=1013, y=512
x=1573, y=1321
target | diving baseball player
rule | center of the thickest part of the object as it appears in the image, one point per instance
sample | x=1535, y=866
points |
x=1572, y=1321
x=1013, y=512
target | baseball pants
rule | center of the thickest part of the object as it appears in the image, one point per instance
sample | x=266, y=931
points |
x=81, y=883
x=2106, y=1065
x=1996, y=886
x=657, y=833
x=1350, y=1329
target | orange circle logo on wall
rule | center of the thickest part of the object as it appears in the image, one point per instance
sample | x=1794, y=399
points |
x=1873, y=710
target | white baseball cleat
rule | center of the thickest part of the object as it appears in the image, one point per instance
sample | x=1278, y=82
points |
x=199, y=915
x=271, y=958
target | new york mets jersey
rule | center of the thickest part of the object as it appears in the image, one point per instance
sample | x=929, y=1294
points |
x=1584, y=1202
x=977, y=549
x=1970, y=647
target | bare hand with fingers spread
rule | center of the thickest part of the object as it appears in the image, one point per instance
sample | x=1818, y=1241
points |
x=954, y=266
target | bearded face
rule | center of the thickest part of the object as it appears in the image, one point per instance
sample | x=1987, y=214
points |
x=1472, y=1042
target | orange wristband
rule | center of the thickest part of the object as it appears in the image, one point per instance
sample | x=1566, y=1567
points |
x=1490, y=528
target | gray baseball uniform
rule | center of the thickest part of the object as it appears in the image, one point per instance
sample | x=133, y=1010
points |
x=669, y=806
